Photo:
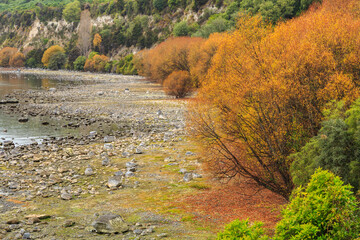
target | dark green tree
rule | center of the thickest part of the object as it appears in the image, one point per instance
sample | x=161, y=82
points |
x=79, y=63
x=57, y=61
x=72, y=12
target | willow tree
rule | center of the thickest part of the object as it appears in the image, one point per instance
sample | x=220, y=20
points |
x=264, y=93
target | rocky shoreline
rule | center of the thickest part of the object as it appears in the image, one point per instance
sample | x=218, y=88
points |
x=108, y=182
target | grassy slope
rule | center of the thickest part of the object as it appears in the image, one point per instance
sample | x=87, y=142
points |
x=29, y=4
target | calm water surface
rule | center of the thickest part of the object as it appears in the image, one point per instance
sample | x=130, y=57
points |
x=25, y=133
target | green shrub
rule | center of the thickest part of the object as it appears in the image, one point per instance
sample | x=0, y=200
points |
x=181, y=29
x=242, y=230
x=72, y=12
x=79, y=63
x=57, y=61
x=336, y=148
x=31, y=63
x=214, y=25
x=325, y=209
x=126, y=66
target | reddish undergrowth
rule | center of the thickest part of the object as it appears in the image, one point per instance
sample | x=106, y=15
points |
x=224, y=203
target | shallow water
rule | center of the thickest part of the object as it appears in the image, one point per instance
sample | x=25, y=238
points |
x=33, y=130
x=11, y=82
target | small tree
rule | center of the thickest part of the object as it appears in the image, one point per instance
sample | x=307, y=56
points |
x=178, y=84
x=325, y=209
x=97, y=41
x=57, y=61
x=79, y=63
x=5, y=55
x=181, y=29
x=49, y=52
x=72, y=12
x=17, y=60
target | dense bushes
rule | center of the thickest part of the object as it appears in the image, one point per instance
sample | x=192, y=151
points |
x=335, y=148
x=72, y=12
x=17, y=60
x=324, y=209
x=49, y=53
x=79, y=63
x=57, y=61
x=96, y=63
x=173, y=55
x=178, y=84
x=266, y=88
x=5, y=55
x=243, y=230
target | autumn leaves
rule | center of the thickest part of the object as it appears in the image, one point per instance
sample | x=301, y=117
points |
x=263, y=88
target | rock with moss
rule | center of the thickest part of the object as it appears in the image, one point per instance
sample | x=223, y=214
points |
x=109, y=223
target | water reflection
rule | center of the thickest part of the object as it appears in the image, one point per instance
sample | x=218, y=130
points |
x=33, y=130
x=11, y=82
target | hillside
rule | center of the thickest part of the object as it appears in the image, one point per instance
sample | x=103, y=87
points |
x=125, y=26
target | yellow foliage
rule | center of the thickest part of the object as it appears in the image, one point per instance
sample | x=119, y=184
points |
x=50, y=52
x=97, y=40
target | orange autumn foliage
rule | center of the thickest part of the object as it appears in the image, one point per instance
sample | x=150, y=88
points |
x=178, y=84
x=266, y=88
x=50, y=52
x=169, y=56
x=17, y=60
x=5, y=55
x=200, y=57
x=96, y=63
x=97, y=40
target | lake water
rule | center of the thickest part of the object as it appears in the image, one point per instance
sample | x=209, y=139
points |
x=33, y=130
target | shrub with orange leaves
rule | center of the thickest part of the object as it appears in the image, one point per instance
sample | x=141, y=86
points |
x=201, y=56
x=50, y=52
x=96, y=63
x=169, y=56
x=266, y=87
x=178, y=84
x=5, y=56
x=17, y=60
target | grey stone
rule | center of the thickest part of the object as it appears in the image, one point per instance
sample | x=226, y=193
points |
x=138, y=231
x=129, y=174
x=66, y=196
x=105, y=161
x=108, y=146
x=114, y=182
x=110, y=223
x=188, y=177
x=109, y=139
x=26, y=236
x=89, y=171
x=196, y=175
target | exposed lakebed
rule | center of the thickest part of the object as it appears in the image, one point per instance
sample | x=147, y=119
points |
x=32, y=129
